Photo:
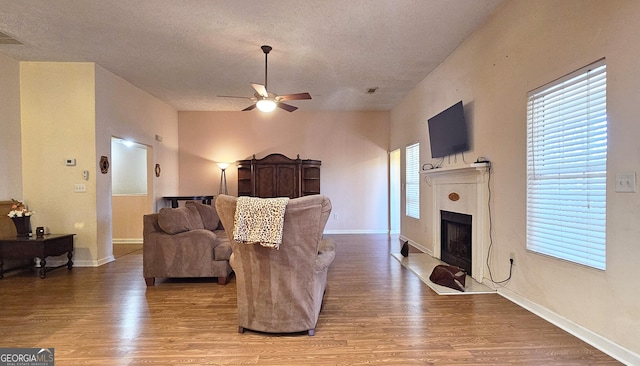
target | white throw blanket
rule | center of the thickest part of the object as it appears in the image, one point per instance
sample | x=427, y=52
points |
x=260, y=220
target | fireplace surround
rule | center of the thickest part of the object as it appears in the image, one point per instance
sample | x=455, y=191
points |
x=461, y=190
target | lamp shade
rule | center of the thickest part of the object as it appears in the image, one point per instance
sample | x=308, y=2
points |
x=223, y=166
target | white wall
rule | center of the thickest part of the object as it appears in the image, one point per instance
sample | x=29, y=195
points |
x=353, y=148
x=130, y=175
x=525, y=45
x=125, y=111
x=10, y=138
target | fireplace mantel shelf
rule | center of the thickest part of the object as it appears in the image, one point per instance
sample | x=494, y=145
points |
x=480, y=167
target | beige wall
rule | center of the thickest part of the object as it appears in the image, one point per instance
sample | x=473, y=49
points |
x=10, y=137
x=353, y=148
x=71, y=110
x=58, y=122
x=525, y=45
x=127, y=212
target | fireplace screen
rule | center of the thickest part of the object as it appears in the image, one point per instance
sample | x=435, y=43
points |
x=455, y=238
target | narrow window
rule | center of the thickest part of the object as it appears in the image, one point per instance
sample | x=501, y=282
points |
x=412, y=179
x=567, y=167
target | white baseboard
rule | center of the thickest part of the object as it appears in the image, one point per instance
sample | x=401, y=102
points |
x=419, y=246
x=356, y=232
x=80, y=263
x=126, y=241
x=603, y=344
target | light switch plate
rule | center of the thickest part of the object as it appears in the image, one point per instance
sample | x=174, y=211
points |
x=626, y=182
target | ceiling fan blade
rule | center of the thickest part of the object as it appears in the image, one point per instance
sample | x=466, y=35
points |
x=261, y=90
x=298, y=96
x=287, y=107
x=249, y=108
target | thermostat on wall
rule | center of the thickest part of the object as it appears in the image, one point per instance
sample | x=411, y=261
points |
x=70, y=162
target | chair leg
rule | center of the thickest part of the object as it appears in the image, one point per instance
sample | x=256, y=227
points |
x=312, y=332
x=150, y=281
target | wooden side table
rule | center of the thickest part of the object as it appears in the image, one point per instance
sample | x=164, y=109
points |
x=41, y=247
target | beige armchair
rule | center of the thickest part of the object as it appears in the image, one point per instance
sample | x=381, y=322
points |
x=281, y=290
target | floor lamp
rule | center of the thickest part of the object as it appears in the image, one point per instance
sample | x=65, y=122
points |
x=223, y=178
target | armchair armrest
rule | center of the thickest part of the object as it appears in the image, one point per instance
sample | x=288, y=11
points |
x=326, y=254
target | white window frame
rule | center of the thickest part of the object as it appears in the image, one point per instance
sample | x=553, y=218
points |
x=567, y=167
x=412, y=180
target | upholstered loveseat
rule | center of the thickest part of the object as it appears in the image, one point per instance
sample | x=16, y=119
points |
x=281, y=290
x=187, y=241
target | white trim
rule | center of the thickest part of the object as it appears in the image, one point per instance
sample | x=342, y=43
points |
x=470, y=184
x=127, y=241
x=603, y=344
x=356, y=232
x=417, y=245
x=80, y=263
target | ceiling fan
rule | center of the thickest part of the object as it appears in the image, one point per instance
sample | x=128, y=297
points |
x=266, y=101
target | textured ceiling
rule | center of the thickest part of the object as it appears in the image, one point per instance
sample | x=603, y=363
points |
x=188, y=52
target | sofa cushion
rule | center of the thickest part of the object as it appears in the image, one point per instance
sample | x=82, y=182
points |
x=178, y=220
x=208, y=214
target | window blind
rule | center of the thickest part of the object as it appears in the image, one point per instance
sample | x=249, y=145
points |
x=566, y=167
x=412, y=181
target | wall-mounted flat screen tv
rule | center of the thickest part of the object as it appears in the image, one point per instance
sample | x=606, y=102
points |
x=448, y=132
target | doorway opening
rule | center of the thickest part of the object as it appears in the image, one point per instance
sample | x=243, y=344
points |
x=131, y=193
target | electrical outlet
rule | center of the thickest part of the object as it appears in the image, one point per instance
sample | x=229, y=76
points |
x=512, y=258
x=335, y=216
x=80, y=188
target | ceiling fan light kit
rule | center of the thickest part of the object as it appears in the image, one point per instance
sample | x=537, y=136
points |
x=267, y=102
x=266, y=105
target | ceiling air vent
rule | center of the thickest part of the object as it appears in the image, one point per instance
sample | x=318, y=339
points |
x=7, y=39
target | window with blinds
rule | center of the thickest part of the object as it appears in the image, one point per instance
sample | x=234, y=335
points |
x=412, y=181
x=567, y=166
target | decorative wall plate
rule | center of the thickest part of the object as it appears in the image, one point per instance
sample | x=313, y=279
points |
x=104, y=164
x=453, y=196
x=158, y=170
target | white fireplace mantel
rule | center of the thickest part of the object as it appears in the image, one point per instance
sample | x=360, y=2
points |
x=469, y=184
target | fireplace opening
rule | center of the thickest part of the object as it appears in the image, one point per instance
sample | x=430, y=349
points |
x=455, y=239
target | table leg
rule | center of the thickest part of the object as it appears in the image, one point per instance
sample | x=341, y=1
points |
x=70, y=262
x=43, y=268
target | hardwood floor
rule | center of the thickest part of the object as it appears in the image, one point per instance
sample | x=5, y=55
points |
x=375, y=312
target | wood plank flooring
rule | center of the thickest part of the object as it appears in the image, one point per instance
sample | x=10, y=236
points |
x=375, y=312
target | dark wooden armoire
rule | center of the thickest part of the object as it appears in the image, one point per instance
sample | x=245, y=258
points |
x=278, y=176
